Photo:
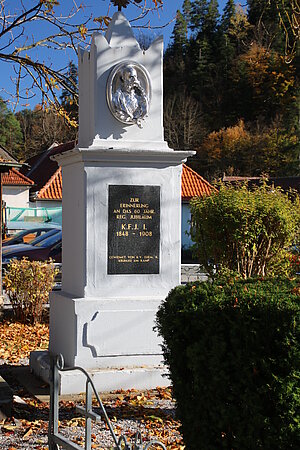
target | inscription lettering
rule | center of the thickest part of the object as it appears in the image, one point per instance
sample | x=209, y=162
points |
x=133, y=229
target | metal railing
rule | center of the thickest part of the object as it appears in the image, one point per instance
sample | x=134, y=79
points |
x=57, y=440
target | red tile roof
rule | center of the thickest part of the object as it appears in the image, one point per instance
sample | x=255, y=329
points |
x=42, y=168
x=15, y=178
x=52, y=189
x=7, y=161
x=285, y=183
x=193, y=185
x=6, y=157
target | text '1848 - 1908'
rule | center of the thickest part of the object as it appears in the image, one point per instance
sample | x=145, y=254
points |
x=133, y=229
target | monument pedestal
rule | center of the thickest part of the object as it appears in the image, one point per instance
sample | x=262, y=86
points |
x=121, y=220
x=104, y=333
x=113, y=339
x=121, y=257
x=105, y=380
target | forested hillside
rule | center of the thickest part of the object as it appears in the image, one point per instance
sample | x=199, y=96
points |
x=231, y=94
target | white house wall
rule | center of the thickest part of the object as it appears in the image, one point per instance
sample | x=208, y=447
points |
x=186, y=241
x=46, y=204
x=16, y=196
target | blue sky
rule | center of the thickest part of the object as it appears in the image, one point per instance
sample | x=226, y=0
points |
x=95, y=8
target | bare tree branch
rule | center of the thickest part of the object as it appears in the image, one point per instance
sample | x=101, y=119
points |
x=58, y=31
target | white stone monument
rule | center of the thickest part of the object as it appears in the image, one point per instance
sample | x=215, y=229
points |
x=121, y=220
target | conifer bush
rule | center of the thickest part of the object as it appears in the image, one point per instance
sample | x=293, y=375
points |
x=28, y=284
x=233, y=351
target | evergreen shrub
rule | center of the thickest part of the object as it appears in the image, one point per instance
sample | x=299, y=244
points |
x=233, y=352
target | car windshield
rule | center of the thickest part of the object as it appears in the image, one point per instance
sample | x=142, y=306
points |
x=51, y=240
x=28, y=236
x=16, y=235
x=44, y=236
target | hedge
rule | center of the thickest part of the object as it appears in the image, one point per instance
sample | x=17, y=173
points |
x=234, y=358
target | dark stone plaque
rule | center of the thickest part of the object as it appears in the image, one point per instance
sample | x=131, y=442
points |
x=133, y=229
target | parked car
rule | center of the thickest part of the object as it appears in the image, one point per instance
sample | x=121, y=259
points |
x=26, y=236
x=40, y=249
x=48, y=245
x=19, y=225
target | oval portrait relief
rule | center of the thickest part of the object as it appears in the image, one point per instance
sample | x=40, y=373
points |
x=128, y=93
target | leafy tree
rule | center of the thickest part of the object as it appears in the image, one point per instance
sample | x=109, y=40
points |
x=199, y=11
x=239, y=28
x=68, y=96
x=10, y=131
x=205, y=71
x=210, y=23
x=280, y=18
x=235, y=71
x=228, y=14
x=145, y=39
x=232, y=67
x=177, y=50
x=176, y=62
x=269, y=85
x=288, y=12
x=26, y=119
x=250, y=151
x=221, y=150
x=245, y=231
x=41, y=128
x=233, y=33
x=179, y=34
x=187, y=9
x=262, y=10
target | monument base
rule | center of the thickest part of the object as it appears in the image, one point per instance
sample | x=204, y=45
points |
x=105, y=380
x=112, y=339
x=100, y=333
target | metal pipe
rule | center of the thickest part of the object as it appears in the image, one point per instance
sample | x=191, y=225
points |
x=55, y=439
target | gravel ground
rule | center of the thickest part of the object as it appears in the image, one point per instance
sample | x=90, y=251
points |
x=151, y=412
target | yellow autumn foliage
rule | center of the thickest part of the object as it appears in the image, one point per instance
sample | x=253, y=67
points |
x=228, y=139
x=28, y=284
